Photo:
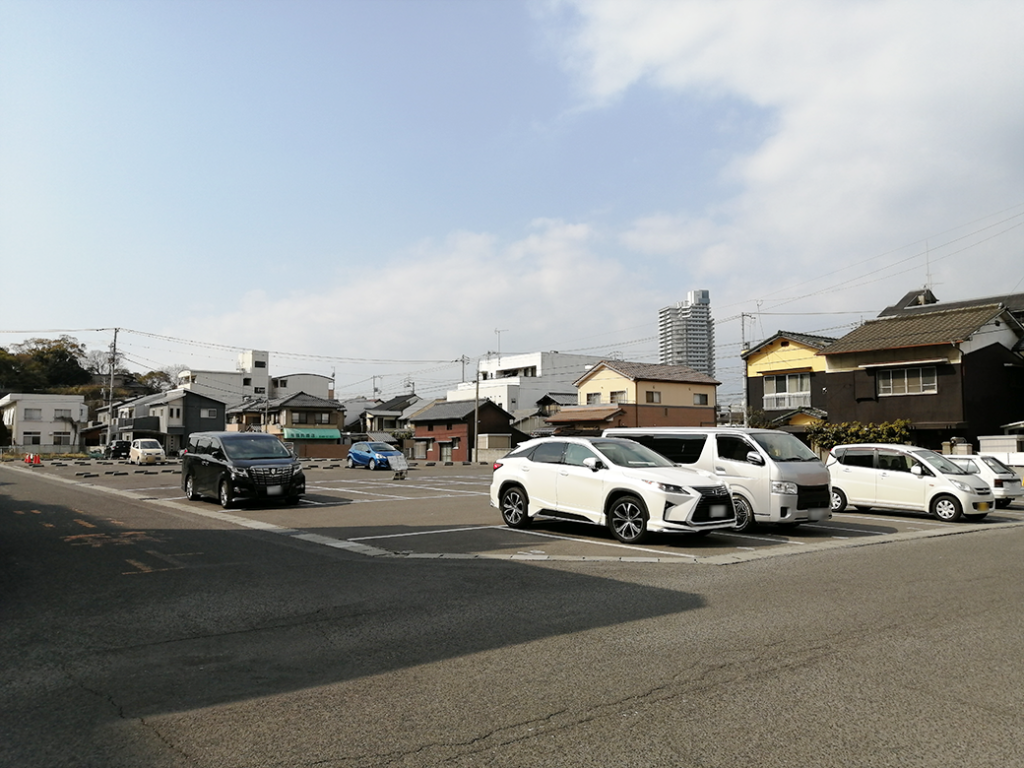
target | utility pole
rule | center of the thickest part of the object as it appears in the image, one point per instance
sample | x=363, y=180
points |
x=110, y=392
x=743, y=348
x=476, y=419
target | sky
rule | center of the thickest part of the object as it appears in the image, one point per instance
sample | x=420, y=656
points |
x=388, y=191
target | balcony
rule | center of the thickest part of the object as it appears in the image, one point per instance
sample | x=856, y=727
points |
x=787, y=402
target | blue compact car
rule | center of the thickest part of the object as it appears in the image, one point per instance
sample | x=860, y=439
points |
x=372, y=455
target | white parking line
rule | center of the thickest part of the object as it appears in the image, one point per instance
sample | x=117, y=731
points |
x=922, y=521
x=424, y=533
x=649, y=551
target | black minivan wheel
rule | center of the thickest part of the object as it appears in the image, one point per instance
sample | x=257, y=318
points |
x=190, y=488
x=225, y=495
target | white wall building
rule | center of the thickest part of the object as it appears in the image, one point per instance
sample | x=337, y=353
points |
x=44, y=423
x=519, y=381
x=252, y=379
x=686, y=333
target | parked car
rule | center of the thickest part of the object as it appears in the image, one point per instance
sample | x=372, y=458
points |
x=250, y=465
x=375, y=456
x=1004, y=482
x=146, y=452
x=773, y=476
x=117, y=449
x=607, y=481
x=904, y=477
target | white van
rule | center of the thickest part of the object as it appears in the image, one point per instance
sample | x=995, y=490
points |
x=774, y=477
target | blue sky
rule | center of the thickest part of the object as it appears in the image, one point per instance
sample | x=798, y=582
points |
x=379, y=188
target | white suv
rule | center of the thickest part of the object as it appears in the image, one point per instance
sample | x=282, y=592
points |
x=607, y=481
x=904, y=477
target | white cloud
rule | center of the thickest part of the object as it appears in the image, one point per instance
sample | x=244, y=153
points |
x=427, y=304
x=890, y=121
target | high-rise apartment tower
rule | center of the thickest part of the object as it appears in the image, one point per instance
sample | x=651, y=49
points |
x=686, y=333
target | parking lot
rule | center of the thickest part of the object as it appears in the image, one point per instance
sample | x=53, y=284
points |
x=442, y=511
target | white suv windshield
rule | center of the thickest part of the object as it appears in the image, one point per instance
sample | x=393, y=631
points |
x=626, y=453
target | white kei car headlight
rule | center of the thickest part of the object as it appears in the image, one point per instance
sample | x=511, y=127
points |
x=962, y=486
x=781, y=487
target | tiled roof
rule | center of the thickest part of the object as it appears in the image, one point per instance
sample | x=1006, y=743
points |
x=917, y=302
x=575, y=414
x=916, y=330
x=807, y=339
x=452, y=410
x=298, y=400
x=652, y=372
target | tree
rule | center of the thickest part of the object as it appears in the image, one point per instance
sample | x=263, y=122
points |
x=56, y=361
x=827, y=436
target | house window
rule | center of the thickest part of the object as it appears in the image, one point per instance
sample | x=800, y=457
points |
x=259, y=364
x=62, y=438
x=700, y=398
x=247, y=382
x=790, y=391
x=207, y=413
x=283, y=383
x=323, y=418
x=61, y=413
x=653, y=397
x=593, y=398
x=33, y=414
x=259, y=390
x=300, y=417
x=618, y=396
x=430, y=427
x=31, y=438
x=907, y=381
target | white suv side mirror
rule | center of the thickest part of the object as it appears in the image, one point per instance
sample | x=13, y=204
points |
x=593, y=463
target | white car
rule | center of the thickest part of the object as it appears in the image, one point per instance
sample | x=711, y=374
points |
x=607, y=481
x=903, y=477
x=146, y=452
x=1004, y=482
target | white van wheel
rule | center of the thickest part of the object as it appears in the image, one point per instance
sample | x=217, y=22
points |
x=744, y=513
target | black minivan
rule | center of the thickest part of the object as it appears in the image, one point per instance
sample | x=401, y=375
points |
x=250, y=465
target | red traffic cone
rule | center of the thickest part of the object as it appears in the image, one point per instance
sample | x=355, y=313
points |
x=36, y=460
x=28, y=458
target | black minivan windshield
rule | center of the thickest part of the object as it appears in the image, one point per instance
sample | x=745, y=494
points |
x=252, y=447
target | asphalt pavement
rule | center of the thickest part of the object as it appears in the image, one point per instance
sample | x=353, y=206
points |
x=142, y=629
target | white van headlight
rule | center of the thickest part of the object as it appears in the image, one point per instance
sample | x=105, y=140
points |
x=781, y=487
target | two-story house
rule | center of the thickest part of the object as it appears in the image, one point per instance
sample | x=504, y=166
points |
x=786, y=379
x=301, y=419
x=448, y=431
x=953, y=372
x=168, y=417
x=44, y=423
x=615, y=393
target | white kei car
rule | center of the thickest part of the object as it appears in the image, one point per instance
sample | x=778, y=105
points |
x=146, y=452
x=607, y=481
x=1004, y=482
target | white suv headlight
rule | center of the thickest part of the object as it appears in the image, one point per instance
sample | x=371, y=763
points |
x=782, y=487
x=668, y=487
